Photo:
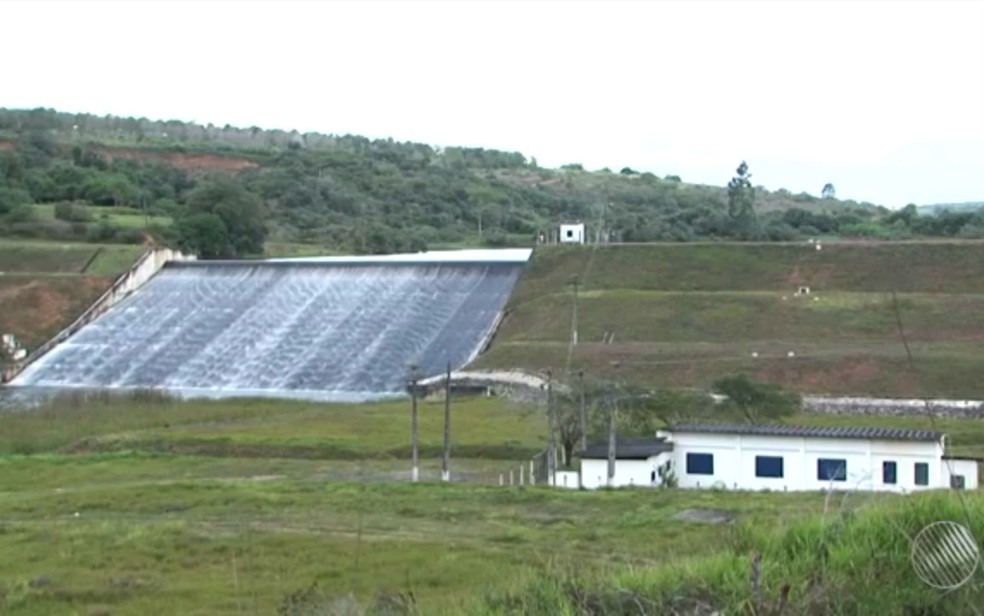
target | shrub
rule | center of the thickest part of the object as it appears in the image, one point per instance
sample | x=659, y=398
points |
x=11, y=198
x=72, y=212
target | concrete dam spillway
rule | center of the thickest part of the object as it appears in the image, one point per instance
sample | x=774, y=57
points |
x=329, y=329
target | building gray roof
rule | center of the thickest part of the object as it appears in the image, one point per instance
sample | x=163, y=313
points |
x=627, y=448
x=850, y=432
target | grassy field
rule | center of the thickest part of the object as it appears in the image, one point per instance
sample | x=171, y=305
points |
x=124, y=217
x=687, y=314
x=44, y=286
x=142, y=504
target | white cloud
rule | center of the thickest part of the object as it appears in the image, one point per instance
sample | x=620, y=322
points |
x=806, y=89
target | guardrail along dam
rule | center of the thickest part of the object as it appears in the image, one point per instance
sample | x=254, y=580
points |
x=331, y=329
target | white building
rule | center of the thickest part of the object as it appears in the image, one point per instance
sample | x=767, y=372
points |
x=783, y=458
x=572, y=233
x=637, y=462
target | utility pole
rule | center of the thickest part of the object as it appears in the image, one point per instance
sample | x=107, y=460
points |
x=612, y=416
x=415, y=471
x=574, y=316
x=584, y=412
x=551, y=447
x=446, y=467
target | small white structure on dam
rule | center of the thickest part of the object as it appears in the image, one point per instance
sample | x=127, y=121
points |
x=572, y=233
x=782, y=458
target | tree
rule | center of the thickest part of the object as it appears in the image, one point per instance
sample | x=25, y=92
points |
x=741, y=203
x=754, y=401
x=11, y=198
x=204, y=234
x=828, y=191
x=568, y=423
x=240, y=211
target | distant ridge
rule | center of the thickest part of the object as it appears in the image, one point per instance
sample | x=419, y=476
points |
x=936, y=208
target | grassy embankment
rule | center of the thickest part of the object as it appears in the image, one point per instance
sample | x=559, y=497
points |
x=44, y=286
x=686, y=314
x=229, y=507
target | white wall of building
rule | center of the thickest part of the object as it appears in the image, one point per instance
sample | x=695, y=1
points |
x=968, y=469
x=572, y=233
x=628, y=473
x=567, y=479
x=734, y=462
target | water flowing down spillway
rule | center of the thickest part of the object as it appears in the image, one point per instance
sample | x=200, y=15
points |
x=326, y=330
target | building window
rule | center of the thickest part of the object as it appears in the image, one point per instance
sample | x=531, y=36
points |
x=700, y=464
x=768, y=466
x=889, y=474
x=829, y=469
x=922, y=474
x=570, y=233
x=958, y=482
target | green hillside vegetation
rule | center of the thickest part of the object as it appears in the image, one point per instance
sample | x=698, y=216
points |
x=143, y=504
x=229, y=189
x=684, y=315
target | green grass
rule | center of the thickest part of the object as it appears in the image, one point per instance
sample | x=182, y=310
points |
x=124, y=217
x=101, y=502
x=849, y=562
x=271, y=428
x=46, y=257
x=114, y=259
x=202, y=539
x=20, y=256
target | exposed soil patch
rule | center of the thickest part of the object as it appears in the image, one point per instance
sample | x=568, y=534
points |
x=35, y=309
x=6, y=144
x=855, y=371
x=704, y=516
x=189, y=162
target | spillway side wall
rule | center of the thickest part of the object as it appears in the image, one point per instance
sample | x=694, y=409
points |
x=126, y=283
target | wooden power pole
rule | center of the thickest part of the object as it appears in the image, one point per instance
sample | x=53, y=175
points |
x=574, y=315
x=612, y=417
x=584, y=412
x=415, y=471
x=551, y=430
x=446, y=467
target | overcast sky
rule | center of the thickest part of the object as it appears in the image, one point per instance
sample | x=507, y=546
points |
x=884, y=99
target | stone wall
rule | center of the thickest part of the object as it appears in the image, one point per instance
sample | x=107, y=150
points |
x=894, y=407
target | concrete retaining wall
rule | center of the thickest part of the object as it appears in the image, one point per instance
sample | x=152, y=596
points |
x=894, y=407
x=523, y=387
x=139, y=273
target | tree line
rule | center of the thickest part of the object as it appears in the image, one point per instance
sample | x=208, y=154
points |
x=353, y=194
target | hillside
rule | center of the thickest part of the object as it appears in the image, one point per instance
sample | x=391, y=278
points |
x=349, y=193
x=685, y=314
x=44, y=286
x=936, y=208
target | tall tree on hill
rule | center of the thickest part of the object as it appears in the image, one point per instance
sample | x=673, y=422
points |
x=753, y=401
x=241, y=213
x=741, y=203
x=828, y=192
